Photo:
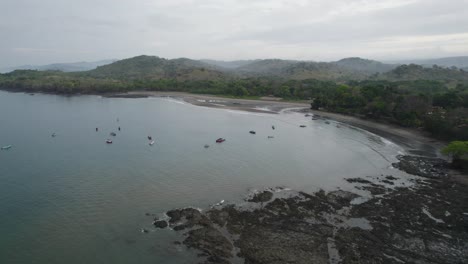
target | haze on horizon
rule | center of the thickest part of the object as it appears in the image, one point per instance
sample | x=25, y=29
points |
x=50, y=31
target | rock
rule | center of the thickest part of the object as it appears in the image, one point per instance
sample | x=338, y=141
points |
x=422, y=166
x=358, y=180
x=310, y=228
x=210, y=241
x=160, y=224
x=261, y=197
x=390, y=178
x=388, y=182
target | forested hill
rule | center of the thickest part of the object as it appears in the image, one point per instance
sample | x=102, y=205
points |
x=155, y=68
x=418, y=72
x=364, y=65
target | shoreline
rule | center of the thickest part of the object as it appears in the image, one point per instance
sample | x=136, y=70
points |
x=414, y=141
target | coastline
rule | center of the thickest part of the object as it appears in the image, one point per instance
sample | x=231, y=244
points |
x=414, y=141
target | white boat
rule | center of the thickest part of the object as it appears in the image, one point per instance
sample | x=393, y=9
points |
x=7, y=147
x=151, y=143
x=220, y=203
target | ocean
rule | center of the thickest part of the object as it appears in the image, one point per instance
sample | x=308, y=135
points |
x=73, y=198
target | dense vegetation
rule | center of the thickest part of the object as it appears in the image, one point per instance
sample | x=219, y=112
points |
x=434, y=98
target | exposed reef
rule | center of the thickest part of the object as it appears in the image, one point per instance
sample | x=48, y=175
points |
x=426, y=222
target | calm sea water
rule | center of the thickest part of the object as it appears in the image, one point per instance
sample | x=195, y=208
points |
x=74, y=199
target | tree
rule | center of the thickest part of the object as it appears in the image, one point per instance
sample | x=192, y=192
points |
x=456, y=149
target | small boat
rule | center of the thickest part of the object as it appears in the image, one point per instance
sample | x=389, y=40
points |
x=54, y=135
x=109, y=141
x=151, y=143
x=252, y=132
x=113, y=134
x=220, y=140
x=270, y=136
x=150, y=138
x=119, y=128
x=307, y=115
x=97, y=129
x=207, y=146
x=273, y=127
x=7, y=147
x=302, y=126
x=220, y=203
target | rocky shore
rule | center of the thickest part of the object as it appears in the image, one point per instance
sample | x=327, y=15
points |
x=424, y=222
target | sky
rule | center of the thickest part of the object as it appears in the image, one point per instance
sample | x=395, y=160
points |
x=48, y=31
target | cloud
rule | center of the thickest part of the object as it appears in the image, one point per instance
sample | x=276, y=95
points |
x=66, y=30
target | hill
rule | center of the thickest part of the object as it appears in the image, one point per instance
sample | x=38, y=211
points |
x=228, y=64
x=155, y=68
x=364, y=66
x=350, y=68
x=459, y=62
x=417, y=72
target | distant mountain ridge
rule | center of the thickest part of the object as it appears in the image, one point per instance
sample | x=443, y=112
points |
x=65, y=67
x=156, y=68
x=182, y=69
x=459, y=62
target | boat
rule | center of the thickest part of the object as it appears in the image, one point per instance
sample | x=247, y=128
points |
x=150, y=138
x=207, y=146
x=7, y=147
x=273, y=127
x=270, y=136
x=220, y=140
x=307, y=115
x=113, y=134
x=109, y=141
x=252, y=132
x=54, y=135
x=151, y=143
x=302, y=126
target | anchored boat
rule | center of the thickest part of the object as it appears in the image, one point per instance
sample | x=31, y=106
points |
x=220, y=140
x=151, y=143
x=7, y=147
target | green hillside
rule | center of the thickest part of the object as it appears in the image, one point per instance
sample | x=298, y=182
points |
x=155, y=68
x=417, y=72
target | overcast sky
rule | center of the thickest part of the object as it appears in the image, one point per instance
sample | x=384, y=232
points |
x=47, y=31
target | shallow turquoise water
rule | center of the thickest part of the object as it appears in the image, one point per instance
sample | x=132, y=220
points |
x=75, y=199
